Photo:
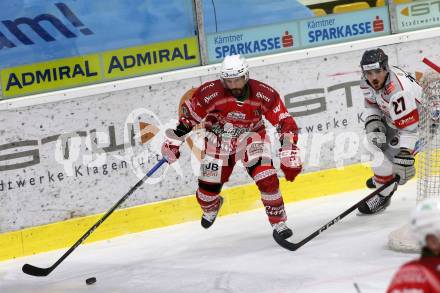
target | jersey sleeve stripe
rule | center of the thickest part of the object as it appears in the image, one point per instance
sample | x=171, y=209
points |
x=192, y=112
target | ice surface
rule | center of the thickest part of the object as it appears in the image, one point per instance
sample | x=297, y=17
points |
x=237, y=254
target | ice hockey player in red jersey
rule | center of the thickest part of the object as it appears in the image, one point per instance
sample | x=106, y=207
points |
x=232, y=110
x=391, y=98
x=422, y=275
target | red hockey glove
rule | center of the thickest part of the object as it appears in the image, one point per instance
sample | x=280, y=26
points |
x=212, y=122
x=171, y=145
x=290, y=161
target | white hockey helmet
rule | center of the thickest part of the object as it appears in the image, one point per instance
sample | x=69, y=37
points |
x=425, y=220
x=234, y=66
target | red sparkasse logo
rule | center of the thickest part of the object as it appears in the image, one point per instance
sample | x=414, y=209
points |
x=287, y=40
x=378, y=25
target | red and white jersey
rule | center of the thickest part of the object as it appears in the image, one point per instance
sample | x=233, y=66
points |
x=419, y=276
x=398, y=103
x=235, y=117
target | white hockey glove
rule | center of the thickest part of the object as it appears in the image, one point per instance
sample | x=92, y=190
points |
x=376, y=131
x=404, y=165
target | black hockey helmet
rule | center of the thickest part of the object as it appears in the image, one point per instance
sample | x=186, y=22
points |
x=374, y=59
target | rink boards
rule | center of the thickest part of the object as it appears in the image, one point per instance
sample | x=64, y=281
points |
x=175, y=211
x=67, y=156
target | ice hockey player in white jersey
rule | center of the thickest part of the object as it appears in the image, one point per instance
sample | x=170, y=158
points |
x=391, y=98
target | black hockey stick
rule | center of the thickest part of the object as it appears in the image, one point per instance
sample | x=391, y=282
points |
x=294, y=246
x=42, y=272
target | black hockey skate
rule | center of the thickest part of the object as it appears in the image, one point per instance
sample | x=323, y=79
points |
x=370, y=183
x=209, y=217
x=282, y=230
x=375, y=204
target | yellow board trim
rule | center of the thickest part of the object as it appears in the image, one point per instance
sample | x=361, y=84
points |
x=151, y=58
x=51, y=75
x=175, y=211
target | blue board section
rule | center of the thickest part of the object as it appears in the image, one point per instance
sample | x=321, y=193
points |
x=226, y=15
x=253, y=42
x=338, y=28
x=32, y=31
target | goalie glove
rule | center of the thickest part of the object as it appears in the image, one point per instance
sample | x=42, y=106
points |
x=290, y=161
x=171, y=146
x=404, y=165
x=376, y=131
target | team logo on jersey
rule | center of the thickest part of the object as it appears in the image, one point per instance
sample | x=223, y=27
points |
x=389, y=88
x=236, y=115
x=408, y=119
x=263, y=97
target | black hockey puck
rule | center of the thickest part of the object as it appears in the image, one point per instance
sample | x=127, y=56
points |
x=91, y=281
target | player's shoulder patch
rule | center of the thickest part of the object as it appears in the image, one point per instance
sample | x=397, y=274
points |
x=208, y=86
x=392, y=86
x=395, y=82
x=389, y=88
x=261, y=86
x=262, y=91
x=209, y=91
x=263, y=97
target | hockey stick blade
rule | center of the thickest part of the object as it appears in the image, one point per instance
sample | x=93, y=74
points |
x=43, y=272
x=36, y=271
x=294, y=246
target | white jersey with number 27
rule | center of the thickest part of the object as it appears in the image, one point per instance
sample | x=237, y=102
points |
x=398, y=103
